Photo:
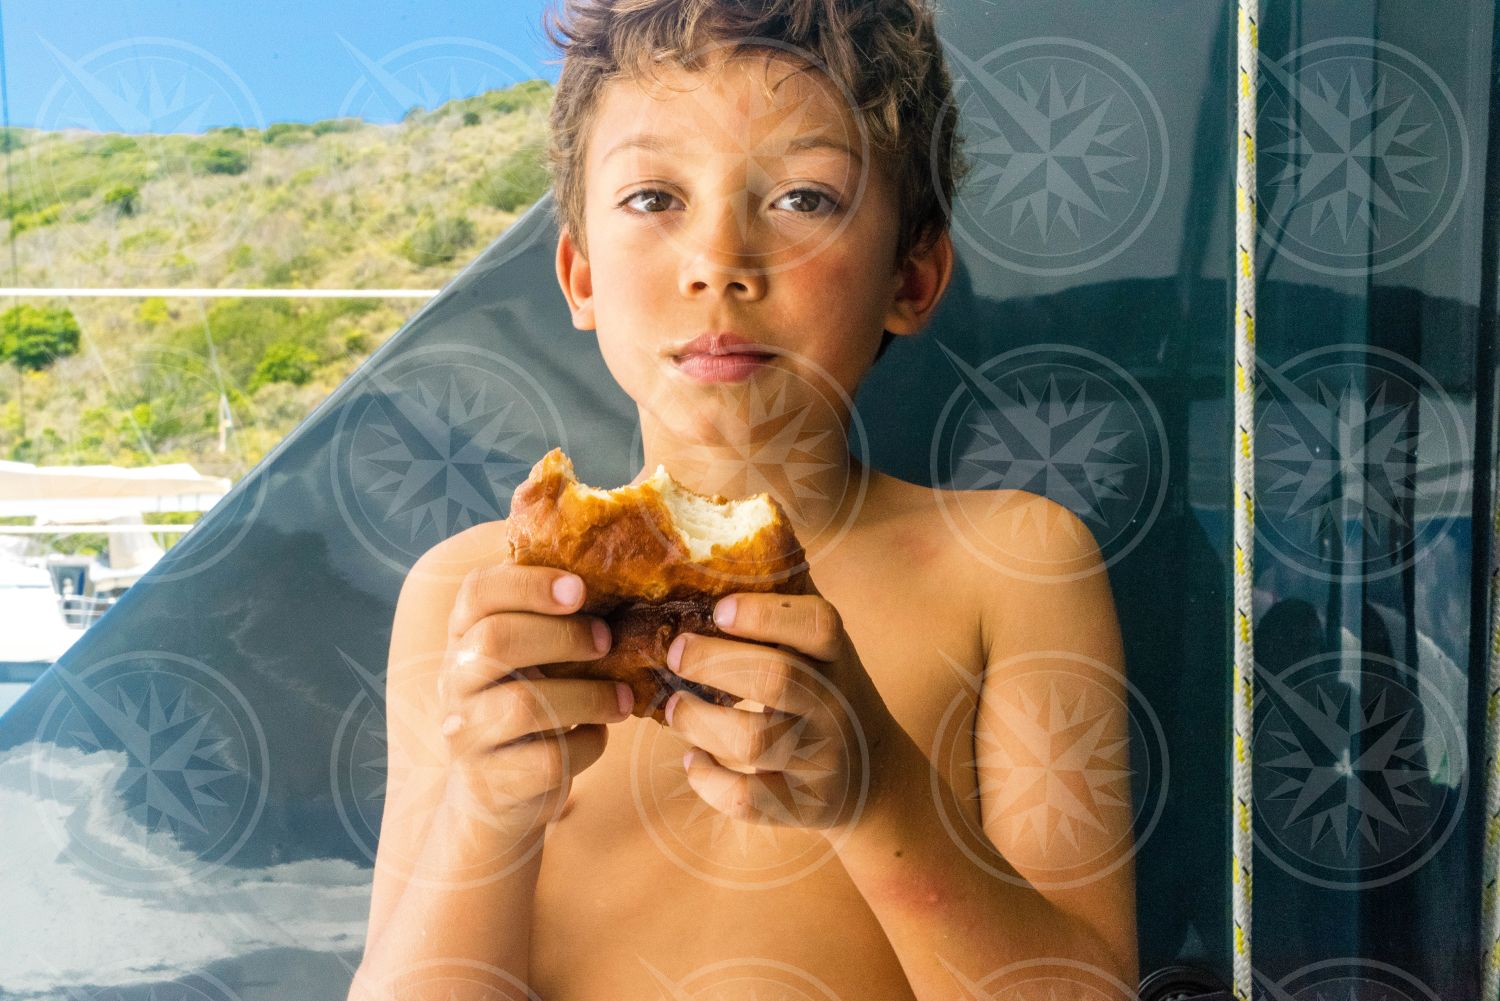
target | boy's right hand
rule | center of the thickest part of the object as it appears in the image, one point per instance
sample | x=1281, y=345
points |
x=515, y=739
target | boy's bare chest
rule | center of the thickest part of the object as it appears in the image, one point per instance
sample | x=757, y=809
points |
x=647, y=892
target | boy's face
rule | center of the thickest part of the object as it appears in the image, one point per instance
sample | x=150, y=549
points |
x=756, y=207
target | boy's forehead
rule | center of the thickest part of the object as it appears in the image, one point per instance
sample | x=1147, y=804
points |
x=747, y=96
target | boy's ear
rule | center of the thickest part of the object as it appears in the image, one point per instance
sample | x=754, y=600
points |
x=577, y=281
x=919, y=285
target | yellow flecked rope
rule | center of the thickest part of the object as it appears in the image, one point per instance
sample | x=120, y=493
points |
x=1490, y=936
x=1244, y=494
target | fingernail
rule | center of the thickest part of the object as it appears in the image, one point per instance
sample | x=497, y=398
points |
x=451, y=724
x=687, y=760
x=724, y=612
x=672, y=705
x=625, y=696
x=674, y=652
x=601, y=636
x=567, y=589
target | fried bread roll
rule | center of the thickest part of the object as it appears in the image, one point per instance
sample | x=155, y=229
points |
x=654, y=558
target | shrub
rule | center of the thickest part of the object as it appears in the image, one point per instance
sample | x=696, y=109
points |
x=471, y=118
x=285, y=361
x=33, y=337
x=520, y=179
x=335, y=125
x=223, y=160
x=291, y=271
x=285, y=132
x=439, y=241
x=23, y=221
x=115, y=145
x=153, y=312
x=123, y=198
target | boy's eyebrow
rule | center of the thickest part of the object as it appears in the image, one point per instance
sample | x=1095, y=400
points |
x=657, y=144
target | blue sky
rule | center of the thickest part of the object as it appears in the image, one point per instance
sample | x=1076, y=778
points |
x=187, y=65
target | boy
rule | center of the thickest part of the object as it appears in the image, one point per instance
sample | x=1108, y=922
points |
x=752, y=203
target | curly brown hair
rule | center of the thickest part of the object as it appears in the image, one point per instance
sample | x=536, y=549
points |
x=884, y=54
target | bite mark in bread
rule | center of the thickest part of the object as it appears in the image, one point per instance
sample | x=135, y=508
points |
x=654, y=558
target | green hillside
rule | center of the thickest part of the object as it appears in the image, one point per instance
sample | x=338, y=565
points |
x=331, y=204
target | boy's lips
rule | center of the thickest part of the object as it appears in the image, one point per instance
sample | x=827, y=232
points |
x=731, y=367
x=722, y=342
x=721, y=356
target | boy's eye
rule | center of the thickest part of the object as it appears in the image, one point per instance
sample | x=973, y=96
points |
x=803, y=201
x=648, y=196
x=809, y=196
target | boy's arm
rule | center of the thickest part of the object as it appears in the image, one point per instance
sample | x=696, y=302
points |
x=1051, y=688
x=1051, y=733
x=448, y=906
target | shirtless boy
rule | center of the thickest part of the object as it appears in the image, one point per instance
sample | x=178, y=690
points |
x=885, y=813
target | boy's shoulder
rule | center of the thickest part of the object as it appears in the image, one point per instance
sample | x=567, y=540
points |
x=1005, y=528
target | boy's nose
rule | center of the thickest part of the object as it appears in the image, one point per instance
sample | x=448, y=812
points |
x=725, y=272
x=706, y=273
x=720, y=249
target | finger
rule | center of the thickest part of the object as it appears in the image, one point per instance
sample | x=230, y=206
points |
x=745, y=670
x=500, y=644
x=766, y=742
x=509, y=587
x=521, y=708
x=808, y=623
x=763, y=798
x=535, y=767
x=536, y=777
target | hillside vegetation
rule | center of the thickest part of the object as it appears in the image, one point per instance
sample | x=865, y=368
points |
x=331, y=204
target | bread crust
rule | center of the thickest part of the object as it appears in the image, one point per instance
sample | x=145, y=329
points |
x=639, y=574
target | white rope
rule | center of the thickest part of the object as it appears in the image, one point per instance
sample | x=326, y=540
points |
x=1244, y=495
x=1489, y=939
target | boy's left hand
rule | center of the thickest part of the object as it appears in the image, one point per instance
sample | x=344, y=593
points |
x=816, y=748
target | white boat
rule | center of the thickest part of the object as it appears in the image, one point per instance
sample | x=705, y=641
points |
x=47, y=600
